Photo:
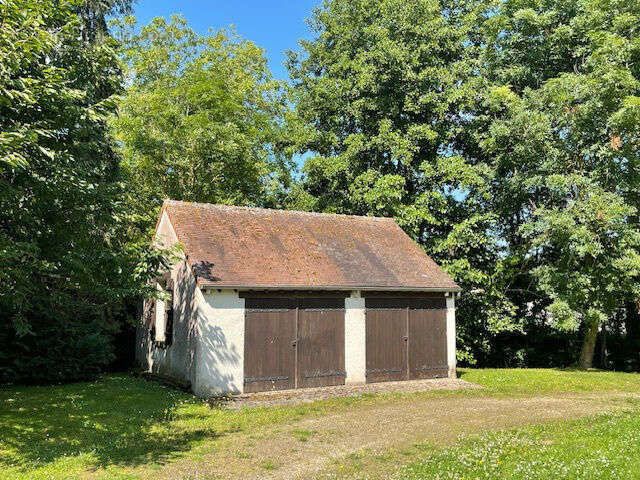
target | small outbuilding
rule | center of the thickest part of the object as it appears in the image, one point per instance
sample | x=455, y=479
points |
x=273, y=299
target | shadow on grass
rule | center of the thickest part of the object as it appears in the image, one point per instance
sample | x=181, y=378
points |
x=118, y=420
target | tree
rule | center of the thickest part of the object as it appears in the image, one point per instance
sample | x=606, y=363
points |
x=461, y=119
x=380, y=94
x=65, y=268
x=94, y=13
x=556, y=120
x=593, y=259
x=199, y=120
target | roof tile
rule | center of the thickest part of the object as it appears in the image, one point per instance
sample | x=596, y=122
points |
x=255, y=247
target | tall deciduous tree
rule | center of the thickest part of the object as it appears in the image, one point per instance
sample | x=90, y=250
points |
x=482, y=126
x=558, y=123
x=380, y=93
x=94, y=14
x=199, y=120
x=64, y=269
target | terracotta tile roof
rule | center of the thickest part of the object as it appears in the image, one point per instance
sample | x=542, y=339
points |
x=255, y=247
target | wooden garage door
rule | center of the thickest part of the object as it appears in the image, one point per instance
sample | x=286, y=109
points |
x=427, y=343
x=293, y=342
x=405, y=337
x=269, y=352
x=321, y=342
x=386, y=344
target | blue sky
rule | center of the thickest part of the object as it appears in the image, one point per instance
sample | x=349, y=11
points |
x=274, y=25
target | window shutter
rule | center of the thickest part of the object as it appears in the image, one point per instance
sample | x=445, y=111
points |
x=168, y=315
x=160, y=317
x=151, y=306
x=160, y=322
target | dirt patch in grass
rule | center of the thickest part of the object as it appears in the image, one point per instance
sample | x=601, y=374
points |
x=317, y=447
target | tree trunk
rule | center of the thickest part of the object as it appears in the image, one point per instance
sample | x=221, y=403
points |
x=588, y=346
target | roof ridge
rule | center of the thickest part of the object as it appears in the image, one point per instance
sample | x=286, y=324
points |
x=277, y=210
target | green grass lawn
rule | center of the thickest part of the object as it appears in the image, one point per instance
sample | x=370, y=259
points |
x=604, y=447
x=119, y=422
x=62, y=431
x=601, y=447
x=514, y=381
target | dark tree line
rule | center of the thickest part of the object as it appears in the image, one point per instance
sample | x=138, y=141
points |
x=67, y=267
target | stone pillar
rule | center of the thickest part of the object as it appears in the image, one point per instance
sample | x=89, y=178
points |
x=355, y=339
x=451, y=334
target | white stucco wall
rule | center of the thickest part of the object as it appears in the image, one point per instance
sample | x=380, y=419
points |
x=451, y=335
x=355, y=338
x=175, y=360
x=220, y=348
x=165, y=234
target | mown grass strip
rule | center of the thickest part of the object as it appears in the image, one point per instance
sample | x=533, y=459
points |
x=600, y=448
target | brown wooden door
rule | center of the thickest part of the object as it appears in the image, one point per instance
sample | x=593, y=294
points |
x=269, y=351
x=406, y=337
x=320, y=353
x=427, y=343
x=386, y=344
x=293, y=342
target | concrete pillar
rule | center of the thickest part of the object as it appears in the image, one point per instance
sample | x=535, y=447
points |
x=220, y=351
x=355, y=339
x=451, y=334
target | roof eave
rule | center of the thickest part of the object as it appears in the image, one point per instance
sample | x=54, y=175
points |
x=334, y=287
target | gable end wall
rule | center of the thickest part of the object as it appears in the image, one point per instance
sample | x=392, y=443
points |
x=178, y=359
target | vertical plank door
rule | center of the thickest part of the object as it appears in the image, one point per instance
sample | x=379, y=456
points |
x=427, y=343
x=321, y=342
x=269, y=353
x=386, y=341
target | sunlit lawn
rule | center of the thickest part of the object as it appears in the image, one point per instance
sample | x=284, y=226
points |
x=118, y=421
x=512, y=381
x=605, y=447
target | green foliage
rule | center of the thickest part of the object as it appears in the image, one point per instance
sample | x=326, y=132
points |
x=65, y=270
x=199, y=121
x=557, y=124
x=57, y=351
x=374, y=92
x=595, y=255
x=492, y=131
x=380, y=95
x=94, y=13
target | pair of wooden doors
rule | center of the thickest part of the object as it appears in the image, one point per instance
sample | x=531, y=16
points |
x=406, y=338
x=293, y=342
